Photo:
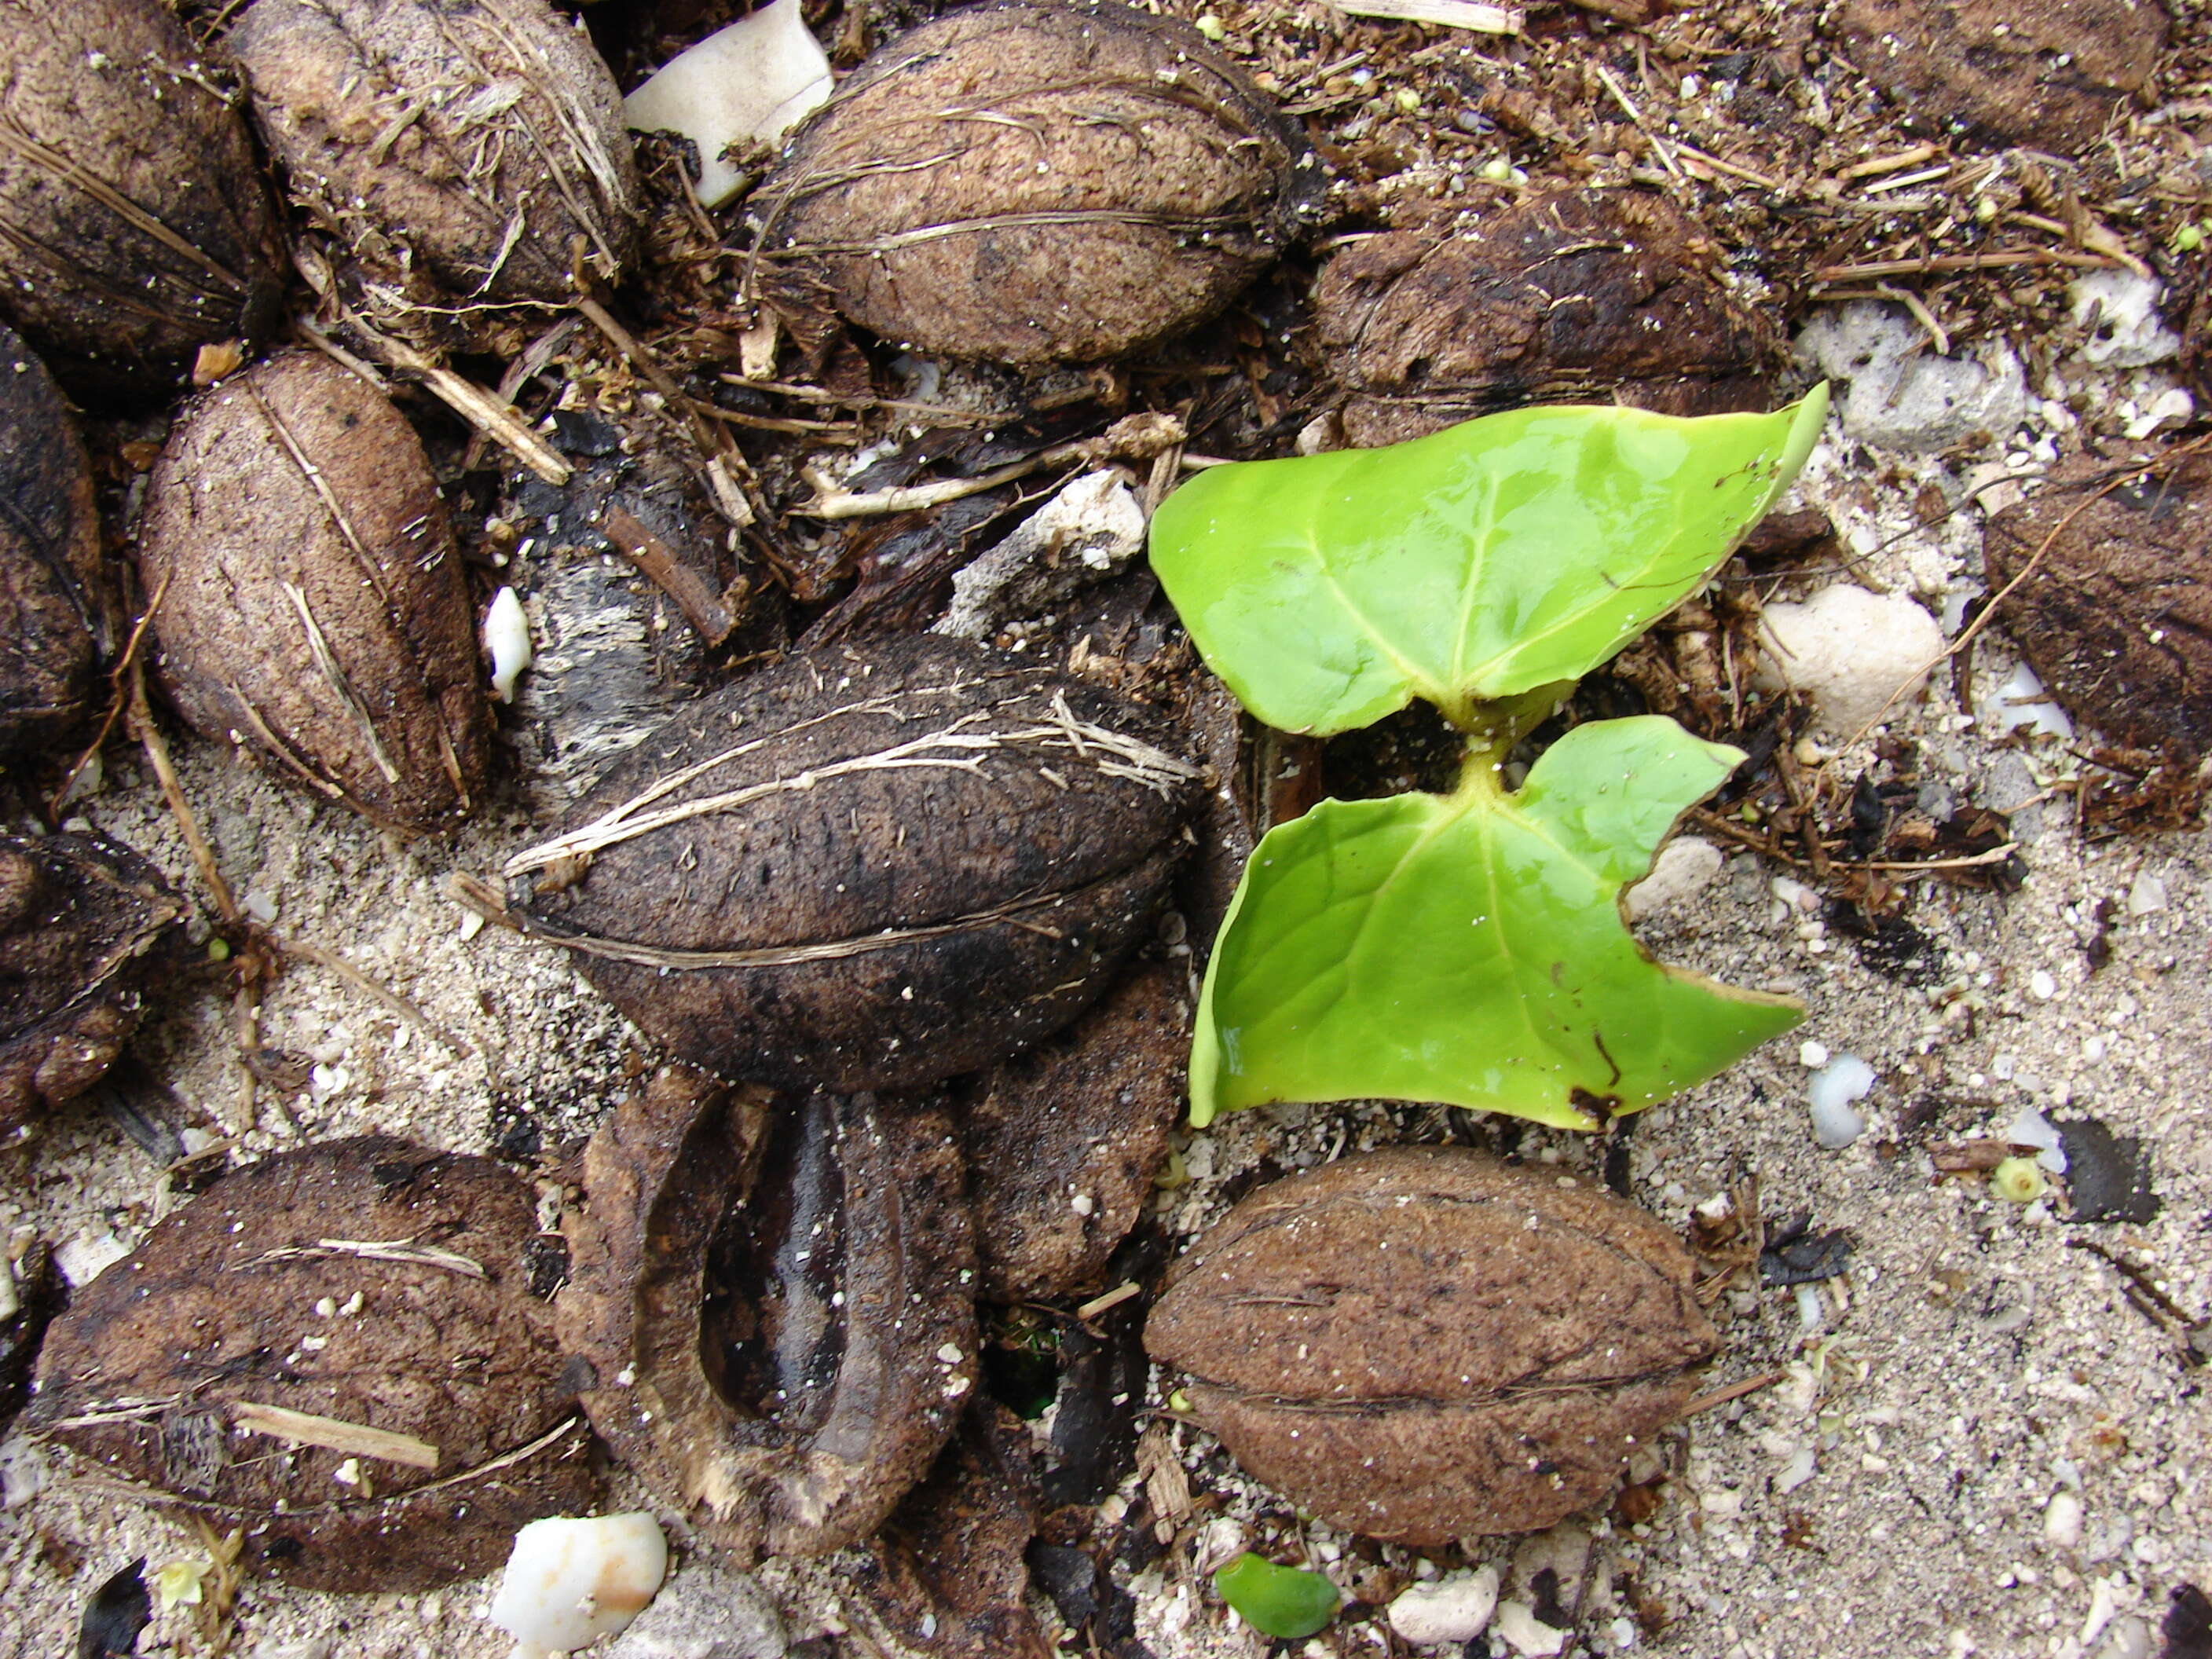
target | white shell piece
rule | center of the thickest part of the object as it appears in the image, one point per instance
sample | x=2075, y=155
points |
x=754, y=79
x=1833, y=1089
x=506, y=641
x=570, y=1582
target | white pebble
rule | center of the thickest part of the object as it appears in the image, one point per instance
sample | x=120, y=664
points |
x=1831, y=1091
x=1849, y=650
x=1812, y=1055
x=2061, y=1521
x=2146, y=895
x=1683, y=868
x=87, y=1256
x=2029, y=1128
x=2119, y=309
x=569, y=1582
x=506, y=641
x=1795, y=894
x=749, y=83
x=1526, y=1634
x=2020, y=704
x=2041, y=986
x=1455, y=1609
x=1801, y=1467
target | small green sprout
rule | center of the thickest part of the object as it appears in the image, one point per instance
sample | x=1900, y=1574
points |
x=1470, y=948
x=180, y=1583
x=2019, y=1180
x=1280, y=1601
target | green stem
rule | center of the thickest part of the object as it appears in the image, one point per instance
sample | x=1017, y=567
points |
x=1494, y=729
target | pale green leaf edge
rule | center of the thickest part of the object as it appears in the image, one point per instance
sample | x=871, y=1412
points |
x=1807, y=418
x=1206, y=1057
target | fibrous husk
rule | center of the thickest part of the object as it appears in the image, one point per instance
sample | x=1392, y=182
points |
x=1578, y=296
x=55, y=598
x=1424, y=1343
x=1030, y=183
x=772, y=1306
x=867, y=868
x=469, y=156
x=135, y=225
x=1064, y=1138
x=2053, y=73
x=313, y=608
x=947, y=1575
x=2116, y=616
x=622, y=642
x=337, y=1350
x=87, y=926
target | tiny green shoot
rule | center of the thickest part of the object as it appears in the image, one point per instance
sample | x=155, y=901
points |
x=1470, y=948
x=1280, y=1602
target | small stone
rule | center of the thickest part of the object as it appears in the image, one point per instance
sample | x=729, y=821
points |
x=1453, y=1609
x=2041, y=986
x=1526, y=1634
x=1812, y=1055
x=2131, y=1639
x=1860, y=656
x=2029, y=1128
x=1683, y=868
x=2061, y=1521
x=1904, y=396
x=1833, y=1089
x=569, y=1582
x=88, y=1254
x=2119, y=309
x=1801, y=1466
x=705, y=1613
x=2146, y=895
x=749, y=83
x=2020, y=705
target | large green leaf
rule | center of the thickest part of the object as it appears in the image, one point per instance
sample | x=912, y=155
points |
x=1490, y=559
x=1470, y=948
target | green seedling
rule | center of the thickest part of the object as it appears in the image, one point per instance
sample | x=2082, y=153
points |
x=1280, y=1601
x=1470, y=948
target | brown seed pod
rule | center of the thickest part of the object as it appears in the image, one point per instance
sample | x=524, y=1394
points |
x=946, y=1574
x=1579, y=296
x=868, y=871
x=1031, y=183
x=2116, y=618
x=335, y=1349
x=55, y=619
x=1424, y=1344
x=135, y=225
x=86, y=925
x=1064, y=1138
x=468, y=155
x=313, y=607
x=772, y=1307
x=2053, y=73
